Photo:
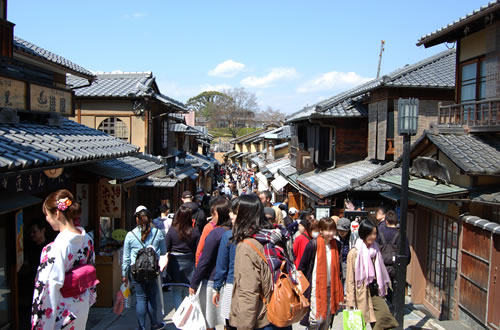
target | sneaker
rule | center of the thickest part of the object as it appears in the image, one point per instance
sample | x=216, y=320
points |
x=159, y=326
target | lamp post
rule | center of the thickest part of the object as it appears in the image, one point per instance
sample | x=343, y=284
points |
x=407, y=126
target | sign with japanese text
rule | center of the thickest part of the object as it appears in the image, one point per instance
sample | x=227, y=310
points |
x=48, y=99
x=12, y=93
x=110, y=199
x=35, y=182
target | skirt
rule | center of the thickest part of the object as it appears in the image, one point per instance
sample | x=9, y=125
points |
x=180, y=267
x=210, y=311
x=227, y=297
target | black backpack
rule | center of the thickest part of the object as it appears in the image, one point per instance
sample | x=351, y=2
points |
x=146, y=267
x=389, y=251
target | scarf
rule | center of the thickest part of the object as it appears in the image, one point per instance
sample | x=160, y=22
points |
x=273, y=241
x=366, y=270
x=336, y=290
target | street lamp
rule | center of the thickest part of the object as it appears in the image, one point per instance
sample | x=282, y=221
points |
x=407, y=126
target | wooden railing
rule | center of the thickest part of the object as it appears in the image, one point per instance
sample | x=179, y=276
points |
x=482, y=115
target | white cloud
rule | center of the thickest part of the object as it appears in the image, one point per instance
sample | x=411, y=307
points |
x=227, y=69
x=331, y=80
x=219, y=87
x=267, y=80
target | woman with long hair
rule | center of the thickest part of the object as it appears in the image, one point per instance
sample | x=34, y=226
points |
x=253, y=277
x=181, y=242
x=204, y=273
x=144, y=235
x=367, y=280
x=224, y=268
x=321, y=264
x=303, y=238
x=72, y=248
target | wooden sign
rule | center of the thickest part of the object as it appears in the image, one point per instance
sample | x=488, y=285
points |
x=12, y=93
x=48, y=99
x=110, y=200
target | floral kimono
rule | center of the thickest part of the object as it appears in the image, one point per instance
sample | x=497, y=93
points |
x=50, y=309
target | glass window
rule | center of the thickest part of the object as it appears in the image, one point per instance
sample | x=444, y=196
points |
x=482, y=80
x=115, y=127
x=164, y=134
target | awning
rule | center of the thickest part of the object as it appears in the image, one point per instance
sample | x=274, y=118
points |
x=125, y=168
x=279, y=183
x=427, y=187
x=13, y=202
x=433, y=204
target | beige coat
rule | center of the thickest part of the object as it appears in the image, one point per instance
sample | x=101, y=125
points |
x=252, y=277
x=358, y=297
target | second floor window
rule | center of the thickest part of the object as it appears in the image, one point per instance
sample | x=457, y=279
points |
x=115, y=127
x=472, y=81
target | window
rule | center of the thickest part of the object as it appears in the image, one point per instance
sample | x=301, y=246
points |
x=115, y=127
x=164, y=134
x=326, y=146
x=472, y=84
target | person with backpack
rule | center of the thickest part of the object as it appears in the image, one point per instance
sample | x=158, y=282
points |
x=56, y=303
x=199, y=218
x=142, y=249
x=260, y=253
x=321, y=264
x=181, y=242
x=388, y=241
x=300, y=243
x=204, y=273
x=367, y=279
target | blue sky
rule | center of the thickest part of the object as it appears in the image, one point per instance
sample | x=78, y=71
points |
x=290, y=53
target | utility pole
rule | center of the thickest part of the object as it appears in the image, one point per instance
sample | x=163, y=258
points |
x=382, y=43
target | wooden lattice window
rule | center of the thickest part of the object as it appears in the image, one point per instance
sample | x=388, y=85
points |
x=115, y=127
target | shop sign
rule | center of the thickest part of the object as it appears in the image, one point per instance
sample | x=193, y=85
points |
x=322, y=212
x=33, y=182
x=12, y=93
x=48, y=99
x=110, y=200
x=19, y=240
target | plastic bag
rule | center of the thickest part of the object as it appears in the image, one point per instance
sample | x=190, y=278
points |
x=353, y=320
x=119, y=303
x=189, y=314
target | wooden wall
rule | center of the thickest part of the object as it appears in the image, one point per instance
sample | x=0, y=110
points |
x=351, y=138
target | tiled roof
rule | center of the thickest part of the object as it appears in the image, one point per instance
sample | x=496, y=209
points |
x=281, y=146
x=277, y=164
x=427, y=187
x=285, y=133
x=125, y=168
x=481, y=223
x=32, y=49
x=490, y=197
x=122, y=84
x=375, y=184
x=473, y=153
x=460, y=23
x=337, y=180
x=437, y=71
x=159, y=180
x=29, y=145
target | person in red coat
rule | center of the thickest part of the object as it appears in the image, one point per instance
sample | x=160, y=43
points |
x=304, y=237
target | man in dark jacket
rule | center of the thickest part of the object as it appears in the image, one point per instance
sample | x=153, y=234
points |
x=199, y=217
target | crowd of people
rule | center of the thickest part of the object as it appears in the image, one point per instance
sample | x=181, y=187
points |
x=215, y=251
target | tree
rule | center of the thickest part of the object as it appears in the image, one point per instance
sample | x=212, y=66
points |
x=272, y=116
x=237, y=110
x=204, y=104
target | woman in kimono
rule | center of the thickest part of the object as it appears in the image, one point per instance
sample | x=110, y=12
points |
x=71, y=248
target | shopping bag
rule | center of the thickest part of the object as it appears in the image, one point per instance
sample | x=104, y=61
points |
x=353, y=320
x=119, y=303
x=189, y=314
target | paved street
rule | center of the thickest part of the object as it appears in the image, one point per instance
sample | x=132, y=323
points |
x=104, y=319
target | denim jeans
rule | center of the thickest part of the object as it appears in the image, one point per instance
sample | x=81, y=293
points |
x=146, y=294
x=179, y=293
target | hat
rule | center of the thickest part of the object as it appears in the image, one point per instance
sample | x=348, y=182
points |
x=187, y=194
x=293, y=210
x=140, y=208
x=269, y=211
x=344, y=224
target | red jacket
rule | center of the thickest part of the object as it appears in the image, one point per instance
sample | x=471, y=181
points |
x=299, y=246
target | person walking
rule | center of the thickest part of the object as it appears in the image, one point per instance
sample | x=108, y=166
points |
x=206, y=230
x=253, y=277
x=143, y=236
x=347, y=241
x=224, y=269
x=204, y=273
x=321, y=264
x=300, y=243
x=71, y=249
x=199, y=218
x=181, y=242
x=164, y=221
x=367, y=279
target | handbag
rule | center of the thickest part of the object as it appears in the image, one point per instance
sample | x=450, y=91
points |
x=288, y=304
x=78, y=280
x=353, y=320
x=189, y=314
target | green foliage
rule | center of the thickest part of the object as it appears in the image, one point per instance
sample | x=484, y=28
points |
x=205, y=103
